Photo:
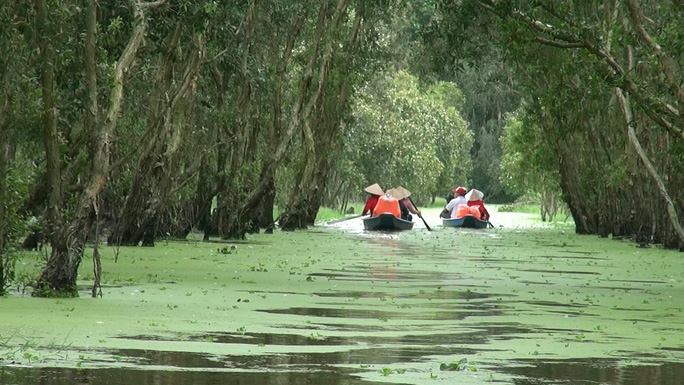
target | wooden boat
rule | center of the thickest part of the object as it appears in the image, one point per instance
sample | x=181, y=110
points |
x=467, y=221
x=386, y=222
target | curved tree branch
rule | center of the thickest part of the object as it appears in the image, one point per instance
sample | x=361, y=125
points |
x=656, y=110
x=153, y=5
x=668, y=65
x=671, y=209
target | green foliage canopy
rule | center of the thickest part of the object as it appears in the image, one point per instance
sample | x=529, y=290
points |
x=404, y=135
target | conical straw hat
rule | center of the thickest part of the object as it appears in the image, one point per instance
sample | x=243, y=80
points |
x=404, y=191
x=374, y=189
x=395, y=192
x=474, y=195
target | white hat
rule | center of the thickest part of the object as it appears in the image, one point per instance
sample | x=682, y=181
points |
x=374, y=189
x=474, y=195
x=397, y=193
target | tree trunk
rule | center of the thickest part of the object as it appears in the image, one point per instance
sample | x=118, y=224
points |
x=307, y=196
x=60, y=273
x=4, y=145
x=155, y=176
x=99, y=142
x=199, y=213
x=232, y=224
x=265, y=217
x=59, y=276
x=49, y=124
x=671, y=209
x=136, y=218
x=212, y=180
x=214, y=224
x=573, y=196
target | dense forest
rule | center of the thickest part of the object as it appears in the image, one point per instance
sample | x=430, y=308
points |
x=124, y=121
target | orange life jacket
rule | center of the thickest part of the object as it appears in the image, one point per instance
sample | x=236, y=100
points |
x=462, y=211
x=475, y=211
x=387, y=205
x=480, y=205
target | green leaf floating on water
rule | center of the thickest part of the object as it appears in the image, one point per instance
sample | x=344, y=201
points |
x=455, y=366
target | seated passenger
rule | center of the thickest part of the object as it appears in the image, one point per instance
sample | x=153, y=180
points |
x=458, y=199
x=474, y=198
x=405, y=205
x=375, y=192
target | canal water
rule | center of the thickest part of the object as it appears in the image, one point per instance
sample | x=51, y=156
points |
x=522, y=303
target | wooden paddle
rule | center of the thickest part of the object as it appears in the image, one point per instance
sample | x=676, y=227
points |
x=344, y=219
x=420, y=216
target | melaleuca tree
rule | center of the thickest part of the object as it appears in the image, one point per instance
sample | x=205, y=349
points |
x=77, y=147
x=603, y=83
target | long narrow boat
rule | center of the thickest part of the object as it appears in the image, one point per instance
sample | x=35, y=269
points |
x=386, y=222
x=467, y=221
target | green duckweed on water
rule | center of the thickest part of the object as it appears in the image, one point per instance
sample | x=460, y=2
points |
x=336, y=304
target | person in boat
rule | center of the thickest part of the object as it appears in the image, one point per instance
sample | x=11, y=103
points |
x=387, y=204
x=450, y=210
x=375, y=192
x=406, y=207
x=476, y=204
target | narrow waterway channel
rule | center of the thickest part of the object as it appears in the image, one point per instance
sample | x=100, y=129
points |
x=517, y=304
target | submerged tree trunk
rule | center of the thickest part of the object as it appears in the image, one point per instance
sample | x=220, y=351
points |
x=212, y=177
x=156, y=170
x=4, y=145
x=295, y=214
x=60, y=273
x=198, y=213
x=264, y=217
x=321, y=129
x=68, y=242
x=135, y=217
x=570, y=184
x=671, y=209
x=212, y=226
x=235, y=224
x=6, y=116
